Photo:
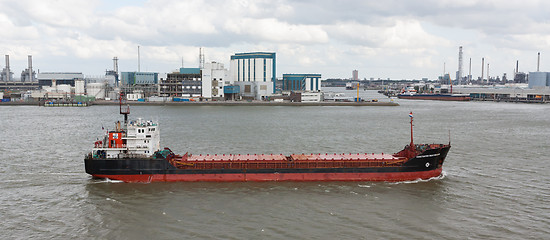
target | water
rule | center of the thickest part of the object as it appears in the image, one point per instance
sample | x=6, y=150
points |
x=495, y=187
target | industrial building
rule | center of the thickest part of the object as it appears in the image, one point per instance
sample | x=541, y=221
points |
x=231, y=92
x=142, y=82
x=60, y=78
x=139, y=78
x=505, y=94
x=26, y=83
x=302, y=82
x=185, y=83
x=256, y=68
x=7, y=75
x=539, y=79
x=214, y=78
x=28, y=75
x=255, y=90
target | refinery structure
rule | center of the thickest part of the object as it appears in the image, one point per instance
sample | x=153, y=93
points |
x=252, y=76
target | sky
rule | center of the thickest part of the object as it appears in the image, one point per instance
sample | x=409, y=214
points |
x=396, y=39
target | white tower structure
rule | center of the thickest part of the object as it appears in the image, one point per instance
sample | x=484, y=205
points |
x=201, y=59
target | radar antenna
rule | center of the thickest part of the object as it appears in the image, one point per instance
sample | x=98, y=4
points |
x=124, y=108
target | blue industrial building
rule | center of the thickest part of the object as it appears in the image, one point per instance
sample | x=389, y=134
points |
x=139, y=78
x=190, y=70
x=539, y=79
x=302, y=82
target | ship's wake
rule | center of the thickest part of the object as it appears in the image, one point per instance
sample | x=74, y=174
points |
x=440, y=177
x=106, y=180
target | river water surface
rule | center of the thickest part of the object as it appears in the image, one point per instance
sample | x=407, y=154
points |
x=495, y=186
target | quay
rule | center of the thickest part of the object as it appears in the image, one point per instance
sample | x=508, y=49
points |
x=214, y=103
x=251, y=103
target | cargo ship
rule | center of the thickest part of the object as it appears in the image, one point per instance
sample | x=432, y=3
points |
x=131, y=153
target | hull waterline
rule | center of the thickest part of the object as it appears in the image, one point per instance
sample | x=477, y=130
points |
x=266, y=177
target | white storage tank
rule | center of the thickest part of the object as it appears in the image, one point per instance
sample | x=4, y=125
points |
x=79, y=87
x=96, y=90
x=65, y=88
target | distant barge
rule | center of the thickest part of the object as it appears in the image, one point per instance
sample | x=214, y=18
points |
x=131, y=153
x=435, y=96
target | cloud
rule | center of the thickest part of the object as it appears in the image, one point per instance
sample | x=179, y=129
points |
x=404, y=35
x=272, y=30
x=392, y=37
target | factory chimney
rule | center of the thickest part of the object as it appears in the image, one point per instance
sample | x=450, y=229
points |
x=538, y=62
x=8, y=75
x=517, y=66
x=459, y=65
x=115, y=64
x=30, y=69
x=115, y=69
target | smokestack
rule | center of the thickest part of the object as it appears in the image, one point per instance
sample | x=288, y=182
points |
x=482, y=68
x=115, y=64
x=517, y=66
x=459, y=65
x=30, y=69
x=538, y=62
x=115, y=69
x=8, y=75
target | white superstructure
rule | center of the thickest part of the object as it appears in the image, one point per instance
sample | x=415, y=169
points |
x=138, y=138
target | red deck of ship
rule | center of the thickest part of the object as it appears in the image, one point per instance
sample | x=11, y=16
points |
x=295, y=157
x=278, y=161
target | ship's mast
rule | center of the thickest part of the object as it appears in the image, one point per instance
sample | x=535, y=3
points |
x=124, y=109
x=411, y=116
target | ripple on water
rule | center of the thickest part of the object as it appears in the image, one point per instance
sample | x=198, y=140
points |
x=494, y=184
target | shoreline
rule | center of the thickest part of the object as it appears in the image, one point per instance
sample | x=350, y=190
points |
x=220, y=103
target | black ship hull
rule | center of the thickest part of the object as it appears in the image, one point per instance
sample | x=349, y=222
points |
x=424, y=166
